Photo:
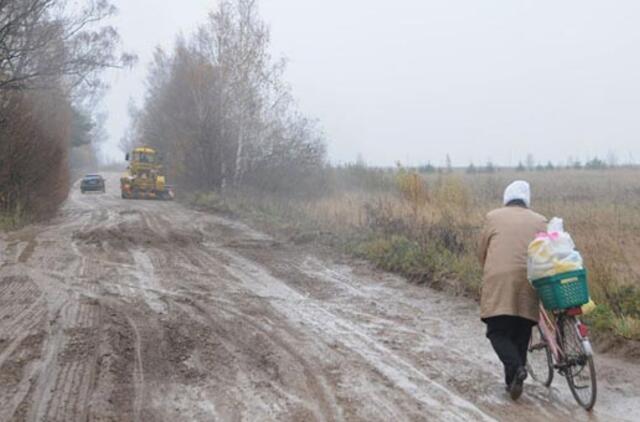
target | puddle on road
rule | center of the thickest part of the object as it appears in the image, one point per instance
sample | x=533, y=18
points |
x=28, y=251
x=145, y=275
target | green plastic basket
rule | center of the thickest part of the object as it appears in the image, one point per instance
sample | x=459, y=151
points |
x=563, y=291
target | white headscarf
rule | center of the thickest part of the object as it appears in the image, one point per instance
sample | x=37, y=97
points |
x=518, y=190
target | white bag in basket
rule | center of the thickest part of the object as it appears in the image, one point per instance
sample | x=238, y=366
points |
x=552, y=252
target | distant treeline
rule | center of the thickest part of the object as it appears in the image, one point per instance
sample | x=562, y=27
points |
x=218, y=110
x=530, y=164
x=51, y=55
x=593, y=164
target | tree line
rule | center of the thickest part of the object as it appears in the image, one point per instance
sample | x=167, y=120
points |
x=218, y=110
x=52, y=54
x=529, y=165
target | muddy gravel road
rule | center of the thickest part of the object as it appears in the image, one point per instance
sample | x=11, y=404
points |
x=148, y=311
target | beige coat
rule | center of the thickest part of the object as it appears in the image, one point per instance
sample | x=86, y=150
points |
x=503, y=255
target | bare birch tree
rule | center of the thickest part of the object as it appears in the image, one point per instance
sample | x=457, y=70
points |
x=219, y=107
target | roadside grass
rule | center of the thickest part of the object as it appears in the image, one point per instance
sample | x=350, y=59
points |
x=425, y=226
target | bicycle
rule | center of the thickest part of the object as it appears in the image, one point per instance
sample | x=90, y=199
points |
x=562, y=343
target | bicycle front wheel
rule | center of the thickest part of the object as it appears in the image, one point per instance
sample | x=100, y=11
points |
x=580, y=370
x=539, y=363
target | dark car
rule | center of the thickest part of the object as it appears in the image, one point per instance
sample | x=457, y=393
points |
x=93, y=183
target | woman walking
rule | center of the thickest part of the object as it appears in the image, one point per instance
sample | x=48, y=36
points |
x=508, y=304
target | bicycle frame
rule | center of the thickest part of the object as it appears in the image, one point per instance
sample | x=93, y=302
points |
x=550, y=333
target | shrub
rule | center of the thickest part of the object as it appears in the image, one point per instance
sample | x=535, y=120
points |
x=413, y=189
x=34, y=173
x=404, y=256
x=380, y=218
x=445, y=233
x=626, y=301
x=452, y=194
x=628, y=327
x=602, y=318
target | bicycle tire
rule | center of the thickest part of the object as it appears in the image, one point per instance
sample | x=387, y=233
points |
x=539, y=360
x=580, y=371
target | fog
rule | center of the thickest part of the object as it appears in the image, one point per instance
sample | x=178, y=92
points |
x=417, y=80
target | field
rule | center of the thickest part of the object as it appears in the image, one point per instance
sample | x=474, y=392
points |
x=425, y=225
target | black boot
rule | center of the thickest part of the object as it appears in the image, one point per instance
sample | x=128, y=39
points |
x=515, y=388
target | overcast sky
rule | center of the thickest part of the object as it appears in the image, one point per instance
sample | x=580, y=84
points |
x=415, y=80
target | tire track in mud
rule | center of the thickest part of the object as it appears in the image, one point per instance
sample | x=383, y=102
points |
x=22, y=322
x=437, y=401
x=215, y=317
x=22, y=309
x=117, y=361
x=276, y=291
x=17, y=374
x=75, y=361
x=273, y=341
x=140, y=287
x=67, y=375
x=138, y=373
x=54, y=386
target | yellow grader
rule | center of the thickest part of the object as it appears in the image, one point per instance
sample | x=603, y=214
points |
x=145, y=176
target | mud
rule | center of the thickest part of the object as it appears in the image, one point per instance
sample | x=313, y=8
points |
x=147, y=311
x=626, y=349
x=127, y=235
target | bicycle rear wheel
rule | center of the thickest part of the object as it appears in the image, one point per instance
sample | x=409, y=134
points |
x=539, y=362
x=580, y=371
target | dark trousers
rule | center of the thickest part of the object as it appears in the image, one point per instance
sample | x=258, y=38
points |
x=510, y=336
